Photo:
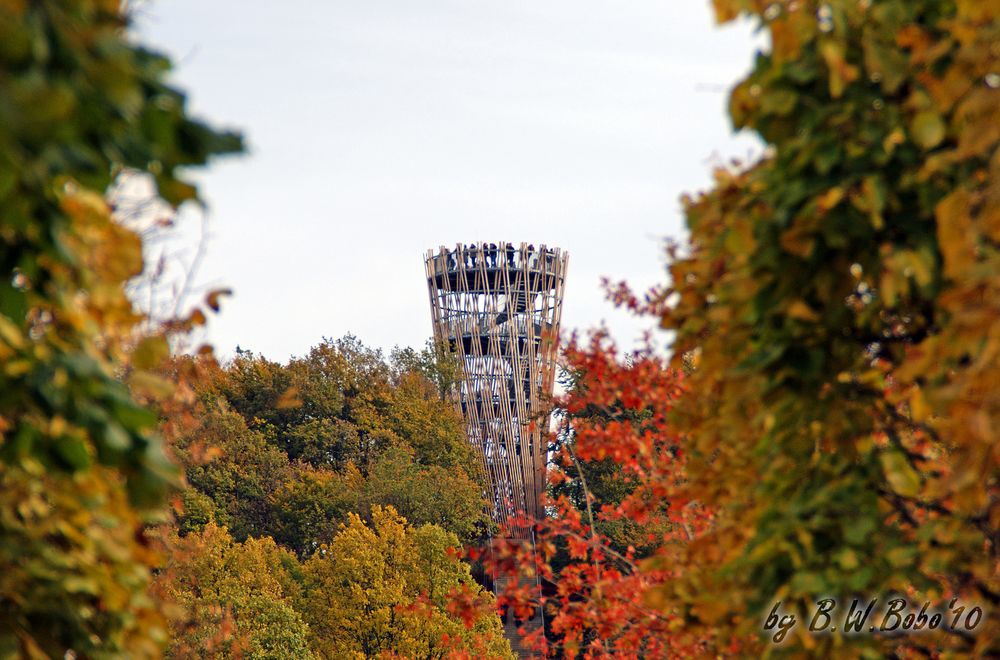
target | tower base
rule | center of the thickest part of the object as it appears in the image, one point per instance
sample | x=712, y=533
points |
x=511, y=624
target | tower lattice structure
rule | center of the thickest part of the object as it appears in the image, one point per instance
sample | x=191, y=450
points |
x=497, y=307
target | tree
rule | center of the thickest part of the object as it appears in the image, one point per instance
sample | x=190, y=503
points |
x=236, y=598
x=82, y=102
x=840, y=293
x=439, y=365
x=432, y=427
x=600, y=599
x=326, y=443
x=271, y=452
x=242, y=475
x=447, y=498
x=311, y=503
x=600, y=480
x=383, y=590
x=287, y=450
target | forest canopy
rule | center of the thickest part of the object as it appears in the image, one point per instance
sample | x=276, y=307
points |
x=295, y=447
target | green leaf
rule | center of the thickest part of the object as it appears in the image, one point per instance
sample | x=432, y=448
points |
x=73, y=451
x=857, y=529
x=151, y=385
x=779, y=101
x=848, y=559
x=902, y=556
x=888, y=64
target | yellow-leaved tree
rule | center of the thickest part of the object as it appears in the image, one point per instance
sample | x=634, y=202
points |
x=235, y=599
x=383, y=589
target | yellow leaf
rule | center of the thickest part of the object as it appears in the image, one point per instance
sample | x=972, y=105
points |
x=798, y=240
x=893, y=140
x=927, y=129
x=921, y=265
x=15, y=368
x=150, y=353
x=919, y=410
x=848, y=559
x=10, y=333
x=900, y=474
x=954, y=231
x=830, y=199
x=873, y=194
x=841, y=73
x=786, y=37
x=799, y=310
x=151, y=385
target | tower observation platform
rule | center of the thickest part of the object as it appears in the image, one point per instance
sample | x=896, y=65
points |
x=497, y=307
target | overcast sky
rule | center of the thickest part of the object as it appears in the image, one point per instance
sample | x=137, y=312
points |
x=380, y=128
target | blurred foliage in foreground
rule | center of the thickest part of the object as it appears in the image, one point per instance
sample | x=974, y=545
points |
x=83, y=470
x=843, y=294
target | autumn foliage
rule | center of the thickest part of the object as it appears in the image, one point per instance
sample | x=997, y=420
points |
x=324, y=503
x=840, y=293
x=823, y=423
x=836, y=311
x=594, y=573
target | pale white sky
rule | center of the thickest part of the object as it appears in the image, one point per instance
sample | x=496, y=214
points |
x=380, y=128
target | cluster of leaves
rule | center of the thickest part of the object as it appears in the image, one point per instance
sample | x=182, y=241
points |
x=385, y=588
x=81, y=466
x=602, y=476
x=232, y=599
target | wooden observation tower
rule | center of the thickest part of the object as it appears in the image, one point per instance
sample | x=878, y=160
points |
x=497, y=307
